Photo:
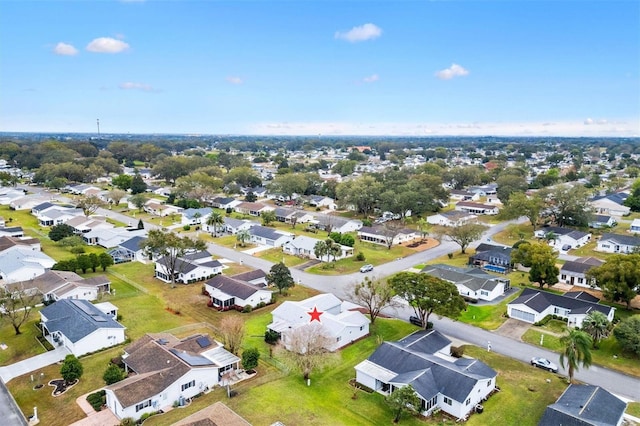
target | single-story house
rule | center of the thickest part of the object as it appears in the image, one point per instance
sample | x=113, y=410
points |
x=611, y=204
x=303, y=246
x=232, y=225
x=255, y=277
x=111, y=237
x=215, y=414
x=635, y=226
x=472, y=283
x=130, y=250
x=422, y=360
x=452, y=218
x=80, y=189
x=342, y=325
x=80, y=326
x=491, y=257
x=322, y=201
x=563, y=237
x=485, y=190
x=477, y=208
x=602, y=221
x=265, y=236
x=325, y=222
x=52, y=214
x=189, y=268
x=533, y=305
x=12, y=231
x=384, y=236
x=166, y=371
x=573, y=272
x=157, y=208
x=229, y=292
x=252, y=209
x=224, y=202
x=462, y=195
x=616, y=243
x=27, y=202
x=22, y=260
x=56, y=285
x=585, y=405
x=7, y=195
x=82, y=224
x=195, y=216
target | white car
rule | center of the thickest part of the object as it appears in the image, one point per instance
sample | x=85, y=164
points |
x=545, y=364
x=366, y=268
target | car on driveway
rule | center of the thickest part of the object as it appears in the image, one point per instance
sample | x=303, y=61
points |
x=366, y=268
x=545, y=364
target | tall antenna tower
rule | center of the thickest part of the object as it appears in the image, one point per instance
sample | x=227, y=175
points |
x=98, y=122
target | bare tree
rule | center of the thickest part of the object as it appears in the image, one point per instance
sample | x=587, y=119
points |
x=307, y=348
x=16, y=306
x=90, y=204
x=170, y=248
x=116, y=195
x=232, y=331
x=373, y=293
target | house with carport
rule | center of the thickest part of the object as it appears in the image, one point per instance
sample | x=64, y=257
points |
x=387, y=236
x=559, y=237
x=56, y=285
x=441, y=382
x=265, y=236
x=303, y=246
x=193, y=217
x=188, y=269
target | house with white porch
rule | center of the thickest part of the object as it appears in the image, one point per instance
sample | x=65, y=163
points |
x=130, y=250
x=56, y=285
x=422, y=360
x=195, y=216
x=635, y=226
x=228, y=292
x=80, y=326
x=452, y=218
x=533, y=305
x=303, y=246
x=166, y=371
x=472, y=283
x=574, y=272
x=264, y=236
x=386, y=237
x=189, y=268
x=339, y=320
x=616, y=243
x=477, y=208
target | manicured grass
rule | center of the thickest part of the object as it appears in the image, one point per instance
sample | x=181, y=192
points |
x=374, y=254
x=513, y=233
x=21, y=346
x=276, y=255
x=488, y=317
x=633, y=408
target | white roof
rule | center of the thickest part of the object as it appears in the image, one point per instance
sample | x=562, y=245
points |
x=374, y=370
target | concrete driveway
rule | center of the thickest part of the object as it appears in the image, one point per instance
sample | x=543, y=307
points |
x=32, y=364
x=513, y=329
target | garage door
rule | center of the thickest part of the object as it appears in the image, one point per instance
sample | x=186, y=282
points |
x=522, y=315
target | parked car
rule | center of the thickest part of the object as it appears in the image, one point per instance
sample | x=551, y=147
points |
x=366, y=268
x=545, y=364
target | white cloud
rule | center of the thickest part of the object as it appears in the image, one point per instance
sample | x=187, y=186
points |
x=361, y=33
x=107, y=45
x=454, y=70
x=65, y=49
x=371, y=78
x=234, y=80
x=136, y=86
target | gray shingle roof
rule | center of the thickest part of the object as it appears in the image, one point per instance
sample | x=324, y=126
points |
x=628, y=240
x=266, y=233
x=583, y=405
x=541, y=300
x=232, y=286
x=76, y=319
x=134, y=244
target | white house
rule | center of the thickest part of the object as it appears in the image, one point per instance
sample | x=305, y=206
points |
x=195, y=216
x=22, y=260
x=452, y=218
x=461, y=195
x=27, y=202
x=232, y=225
x=611, y=204
x=422, y=360
x=80, y=326
x=635, y=226
x=477, y=208
x=573, y=272
x=229, y=292
x=82, y=224
x=189, y=268
x=322, y=201
x=56, y=285
x=111, y=237
x=533, y=305
x=7, y=195
x=303, y=246
x=157, y=208
x=563, y=237
x=343, y=325
x=472, y=283
x=265, y=236
x=168, y=371
x=224, y=202
x=336, y=223
x=616, y=243
x=602, y=221
x=252, y=209
x=130, y=250
x=386, y=237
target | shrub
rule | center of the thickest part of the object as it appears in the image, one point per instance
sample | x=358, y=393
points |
x=187, y=227
x=247, y=309
x=127, y=421
x=271, y=337
x=112, y=374
x=367, y=222
x=360, y=257
x=250, y=358
x=627, y=334
x=97, y=399
x=71, y=369
x=457, y=351
x=450, y=255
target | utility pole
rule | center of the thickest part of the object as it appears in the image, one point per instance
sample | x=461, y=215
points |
x=98, y=122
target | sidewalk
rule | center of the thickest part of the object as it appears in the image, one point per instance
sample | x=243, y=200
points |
x=103, y=417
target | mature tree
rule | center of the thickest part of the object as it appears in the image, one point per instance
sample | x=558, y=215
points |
x=596, y=325
x=280, y=277
x=122, y=181
x=618, y=277
x=89, y=204
x=567, y=205
x=461, y=177
x=427, y=294
x=289, y=184
x=510, y=183
x=215, y=220
x=576, y=351
x=116, y=195
x=268, y=216
x=306, y=348
x=95, y=261
x=138, y=200
x=627, y=334
x=403, y=400
x=71, y=369
x=232, y=332
x=375, y=294
x=198, y=186
x=58, y=232
x=140, y=224
x=243, y=236
x=171, y=248
x=344, y=167
x=321, y=249
x=541, y=259
x=231, y=161
x=138, y=186
x=633, y=200
x=84, y=262
x=250, y=358
x=105, y=260
x=243, y=176
x=16, y=305
x=463, y=235
x=361, y=193
x=521, y=205
x=113, y=374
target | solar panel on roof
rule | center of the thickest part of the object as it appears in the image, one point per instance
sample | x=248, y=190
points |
x=99, y=318
x=203, y=341
x=84, y=308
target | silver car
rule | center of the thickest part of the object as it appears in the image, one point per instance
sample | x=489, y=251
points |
x=545, y=364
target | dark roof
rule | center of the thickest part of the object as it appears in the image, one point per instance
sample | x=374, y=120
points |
x=582, y=295
x=204, y=254
x=264, y=232
x=251, y=275
x=42, y=206
x=599, y=218
x=540, y=300
x=223, y=200
x=618, y=197
x=76, y=318
x=133, y=244
x=232, y=286
x=628, y=240
x=473, y=282
x=583, y=405
x=578, y=267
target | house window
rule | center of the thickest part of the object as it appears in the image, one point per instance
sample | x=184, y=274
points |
x=188, y=385
x=447, y=400
x=143, y=405
x=484, y=293
x=361, y=327
x=489, y=383
x=338, y=338
x=468, y=401
x=580, y=280
x=564, y=277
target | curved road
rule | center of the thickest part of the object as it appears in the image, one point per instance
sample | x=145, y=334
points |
x=618, y=383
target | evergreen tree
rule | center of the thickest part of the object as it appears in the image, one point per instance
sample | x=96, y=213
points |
x=137, y=185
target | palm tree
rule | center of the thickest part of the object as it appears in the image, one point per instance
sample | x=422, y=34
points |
x=596, y=325
x=335, y=249
x=215, y=219
x=576, y=352
x=243, y=236
x=320, y=249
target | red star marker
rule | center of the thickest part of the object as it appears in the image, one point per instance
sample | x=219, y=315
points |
x=315, y=314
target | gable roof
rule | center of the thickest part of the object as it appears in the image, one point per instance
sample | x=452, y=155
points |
x=256, y=274
x=540, y=300
x=191, y=213
x=268, y=233
x=583, y=405
x=628, y=240
x=134, y=244
x=76, y=318
x=474, y=280
x=581, y=265
x=232, y=286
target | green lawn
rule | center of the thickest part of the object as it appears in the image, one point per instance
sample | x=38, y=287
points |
x=374, y=254
x=514, y=233
x=24, y=345
x=488, y=317
x=634, y=409
x=276, y=255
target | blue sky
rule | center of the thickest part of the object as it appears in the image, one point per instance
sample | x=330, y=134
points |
x=321, y=67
